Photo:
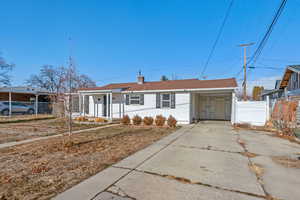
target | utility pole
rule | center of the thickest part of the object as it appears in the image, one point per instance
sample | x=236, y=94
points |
x=245, y=69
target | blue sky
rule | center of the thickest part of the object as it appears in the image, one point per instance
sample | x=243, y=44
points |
x=112, y=40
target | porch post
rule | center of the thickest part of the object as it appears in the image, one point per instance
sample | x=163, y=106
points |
x=111, y=107
x=123, y=106
x=9, y=97
x=94, y=102
x=120, y=100
x=36, y=104
x=83, y=105
x=80, y=104
x=106, y=96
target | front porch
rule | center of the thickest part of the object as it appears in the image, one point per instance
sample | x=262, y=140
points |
x=106, y=105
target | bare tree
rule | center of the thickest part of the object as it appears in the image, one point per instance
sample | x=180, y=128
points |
x=5, y=68
x=85, y=82
x=57, y=79
x=49, y=78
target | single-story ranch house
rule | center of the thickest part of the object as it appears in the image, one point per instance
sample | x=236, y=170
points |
x=187, y=100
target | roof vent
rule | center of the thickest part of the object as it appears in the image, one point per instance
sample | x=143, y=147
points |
x=140, y=78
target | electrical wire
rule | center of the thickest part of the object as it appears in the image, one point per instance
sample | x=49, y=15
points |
x=264, y=40
x=217, y=39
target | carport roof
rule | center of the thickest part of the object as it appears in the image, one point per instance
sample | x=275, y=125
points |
x=25, y=90
x=169, y=85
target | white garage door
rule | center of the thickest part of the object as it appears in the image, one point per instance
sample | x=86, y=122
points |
x=215, y=107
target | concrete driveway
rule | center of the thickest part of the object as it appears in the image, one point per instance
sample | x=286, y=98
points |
x=205, y=161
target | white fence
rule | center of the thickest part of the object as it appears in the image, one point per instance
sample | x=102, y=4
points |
x=250, y=112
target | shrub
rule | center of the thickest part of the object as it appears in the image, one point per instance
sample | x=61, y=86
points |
x=137, y=120
x=171, y=121
x=125, y=120
x=148, y=121
x=100, y=120
x=81, y=119
x=160, y=120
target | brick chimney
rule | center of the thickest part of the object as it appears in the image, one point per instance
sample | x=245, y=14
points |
x=140, y=78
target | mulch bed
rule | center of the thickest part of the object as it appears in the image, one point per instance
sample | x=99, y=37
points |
x=42, y=169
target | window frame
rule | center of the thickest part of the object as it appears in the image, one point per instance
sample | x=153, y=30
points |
x=163, y=100
x=138, y=98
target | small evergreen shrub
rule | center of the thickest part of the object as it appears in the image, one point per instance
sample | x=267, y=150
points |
x=137, y=120
x=148, y=121
x=171, y=121
x=125, y=120
x=160, y=120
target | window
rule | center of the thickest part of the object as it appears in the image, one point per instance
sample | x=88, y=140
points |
x=166, y=100
x=134, y=99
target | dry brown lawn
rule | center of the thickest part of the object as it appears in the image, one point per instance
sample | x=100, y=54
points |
x=42, y=169
x=10, y=132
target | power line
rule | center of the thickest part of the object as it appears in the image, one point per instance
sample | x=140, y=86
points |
x=218, y=37
x=260, y=67
x=264, y=40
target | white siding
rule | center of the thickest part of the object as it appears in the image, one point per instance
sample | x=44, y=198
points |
x=181, y=111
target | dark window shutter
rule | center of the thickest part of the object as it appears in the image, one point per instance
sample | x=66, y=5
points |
x=173, y=102
x=158, y=100
x=127, y=99
x=141, y=99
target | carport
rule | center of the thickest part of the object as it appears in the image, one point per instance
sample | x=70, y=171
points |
x=212, y=105
x=26, y=95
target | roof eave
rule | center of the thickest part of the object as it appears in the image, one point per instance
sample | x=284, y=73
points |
x=181, y=90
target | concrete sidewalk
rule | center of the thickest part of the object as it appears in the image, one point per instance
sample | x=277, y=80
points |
x=203, y=161
x=10, y=144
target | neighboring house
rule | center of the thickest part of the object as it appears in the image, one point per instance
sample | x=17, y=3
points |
x=290, y=82
x=27, y=96
x=288, y=87
x=187, y=100
x=273, y=94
